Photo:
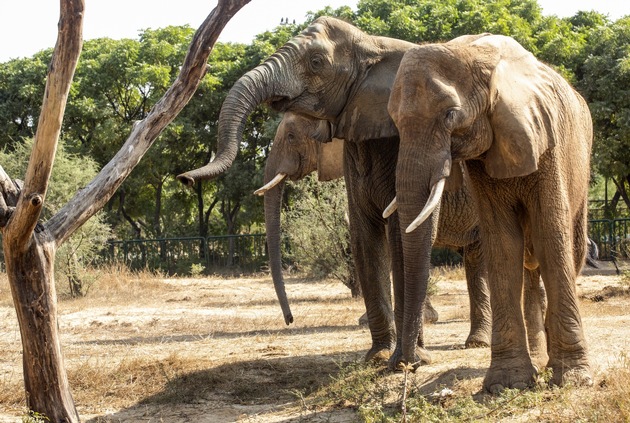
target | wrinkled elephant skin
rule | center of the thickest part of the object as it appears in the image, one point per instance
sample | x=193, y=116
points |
x=525, y=137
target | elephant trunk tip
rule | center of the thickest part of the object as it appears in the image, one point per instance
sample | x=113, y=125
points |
x=288, y=318
x=186, y=180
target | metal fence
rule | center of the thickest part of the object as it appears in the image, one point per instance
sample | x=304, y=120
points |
x=248, y=253
x=612, y=236
x=184, y=256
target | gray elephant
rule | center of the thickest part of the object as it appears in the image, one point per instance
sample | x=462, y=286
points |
x=303, y=145
x=333, y=71
x=525, y=137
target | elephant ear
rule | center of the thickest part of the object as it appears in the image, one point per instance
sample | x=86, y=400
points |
x=323, y=133
x=330, y=160
x=524, y=111
x=365, y=115
x=455, y=180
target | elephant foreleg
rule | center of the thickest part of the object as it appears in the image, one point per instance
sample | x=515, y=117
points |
x=567, y=344
x=371, y=260
x=510, y=365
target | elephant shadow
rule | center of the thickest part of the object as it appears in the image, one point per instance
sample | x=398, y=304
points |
x=228, y=390
x=450, y=378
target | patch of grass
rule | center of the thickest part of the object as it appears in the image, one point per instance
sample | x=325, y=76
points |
x=5, y=291
x=377, y=397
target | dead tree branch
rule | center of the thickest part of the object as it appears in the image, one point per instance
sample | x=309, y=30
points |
x=96, y=194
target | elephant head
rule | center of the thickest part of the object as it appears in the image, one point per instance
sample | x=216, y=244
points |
x=301, y=146
x=485, y=100
x=331, y=71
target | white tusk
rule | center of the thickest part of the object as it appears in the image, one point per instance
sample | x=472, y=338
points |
x=390, y=209
x=275, y=181
x=432, y=203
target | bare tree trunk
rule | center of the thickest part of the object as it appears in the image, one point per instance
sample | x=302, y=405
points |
x=29, y=246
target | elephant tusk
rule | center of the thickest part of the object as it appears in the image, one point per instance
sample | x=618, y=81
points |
x=389, y=210
x=275, y=181
x=432, y=203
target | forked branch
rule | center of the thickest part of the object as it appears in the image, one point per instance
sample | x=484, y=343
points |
x=62, y=66
x=94, y=196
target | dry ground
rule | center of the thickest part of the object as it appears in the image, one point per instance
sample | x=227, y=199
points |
x=149, y=349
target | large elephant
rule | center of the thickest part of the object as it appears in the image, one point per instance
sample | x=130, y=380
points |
x=333, y=71
x=525, y=137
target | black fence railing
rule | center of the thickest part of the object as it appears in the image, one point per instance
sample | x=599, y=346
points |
x=612, y=237
x=248, y=253
x=184, y=256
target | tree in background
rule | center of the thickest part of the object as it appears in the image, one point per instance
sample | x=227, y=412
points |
x=70, y=174
x=317, y=229
x=118, y=81
x=605, y=83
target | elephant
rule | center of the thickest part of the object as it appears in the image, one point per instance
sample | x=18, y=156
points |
x=524, y=136
x=302, y=145
x=296, y=152
x=335, y=72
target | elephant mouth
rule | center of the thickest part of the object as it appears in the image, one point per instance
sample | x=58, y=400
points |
x=281, y=104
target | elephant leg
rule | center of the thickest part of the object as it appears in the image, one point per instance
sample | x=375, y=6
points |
x=430, y=314
x=370, y=253
x=479, y=297
x=534, y=302
x=553, y=243
x=510, y=364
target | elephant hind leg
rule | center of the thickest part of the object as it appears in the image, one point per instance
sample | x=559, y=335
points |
x=479, y=297
x=559, y=261
x=534, y=304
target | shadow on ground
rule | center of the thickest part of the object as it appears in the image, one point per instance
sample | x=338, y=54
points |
x=225, y=392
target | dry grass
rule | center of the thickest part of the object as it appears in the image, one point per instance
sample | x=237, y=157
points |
x=142, y=347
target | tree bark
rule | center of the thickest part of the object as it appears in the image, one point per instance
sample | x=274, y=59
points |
x=29, y=246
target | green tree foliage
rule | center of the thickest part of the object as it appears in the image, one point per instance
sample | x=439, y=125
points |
x=21, y=90
x=317, y=228
x=70, y=173
x=118, y=81
x=606, y=85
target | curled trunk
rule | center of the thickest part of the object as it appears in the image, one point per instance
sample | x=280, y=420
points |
x=252, y=89
x=245, y=95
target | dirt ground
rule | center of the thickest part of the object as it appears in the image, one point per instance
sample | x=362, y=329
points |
x=217, y=350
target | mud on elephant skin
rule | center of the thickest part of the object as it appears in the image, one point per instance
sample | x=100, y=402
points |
x=525, y=137
x=333, y=71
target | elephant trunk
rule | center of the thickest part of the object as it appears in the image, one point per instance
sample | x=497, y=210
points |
x=252, y=89
x=273, y=204
x=414, y=191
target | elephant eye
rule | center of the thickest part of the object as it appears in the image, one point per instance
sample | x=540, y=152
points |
x=291, y=138
x=317, y=61
x=450, y=117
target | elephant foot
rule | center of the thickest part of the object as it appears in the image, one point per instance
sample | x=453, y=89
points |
x=565, y=373
x=478, y=339
x=421, y=357
x=430, y=314
x=538, y=350
x=378, y=354
x=512, y=374
x=539, y=359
